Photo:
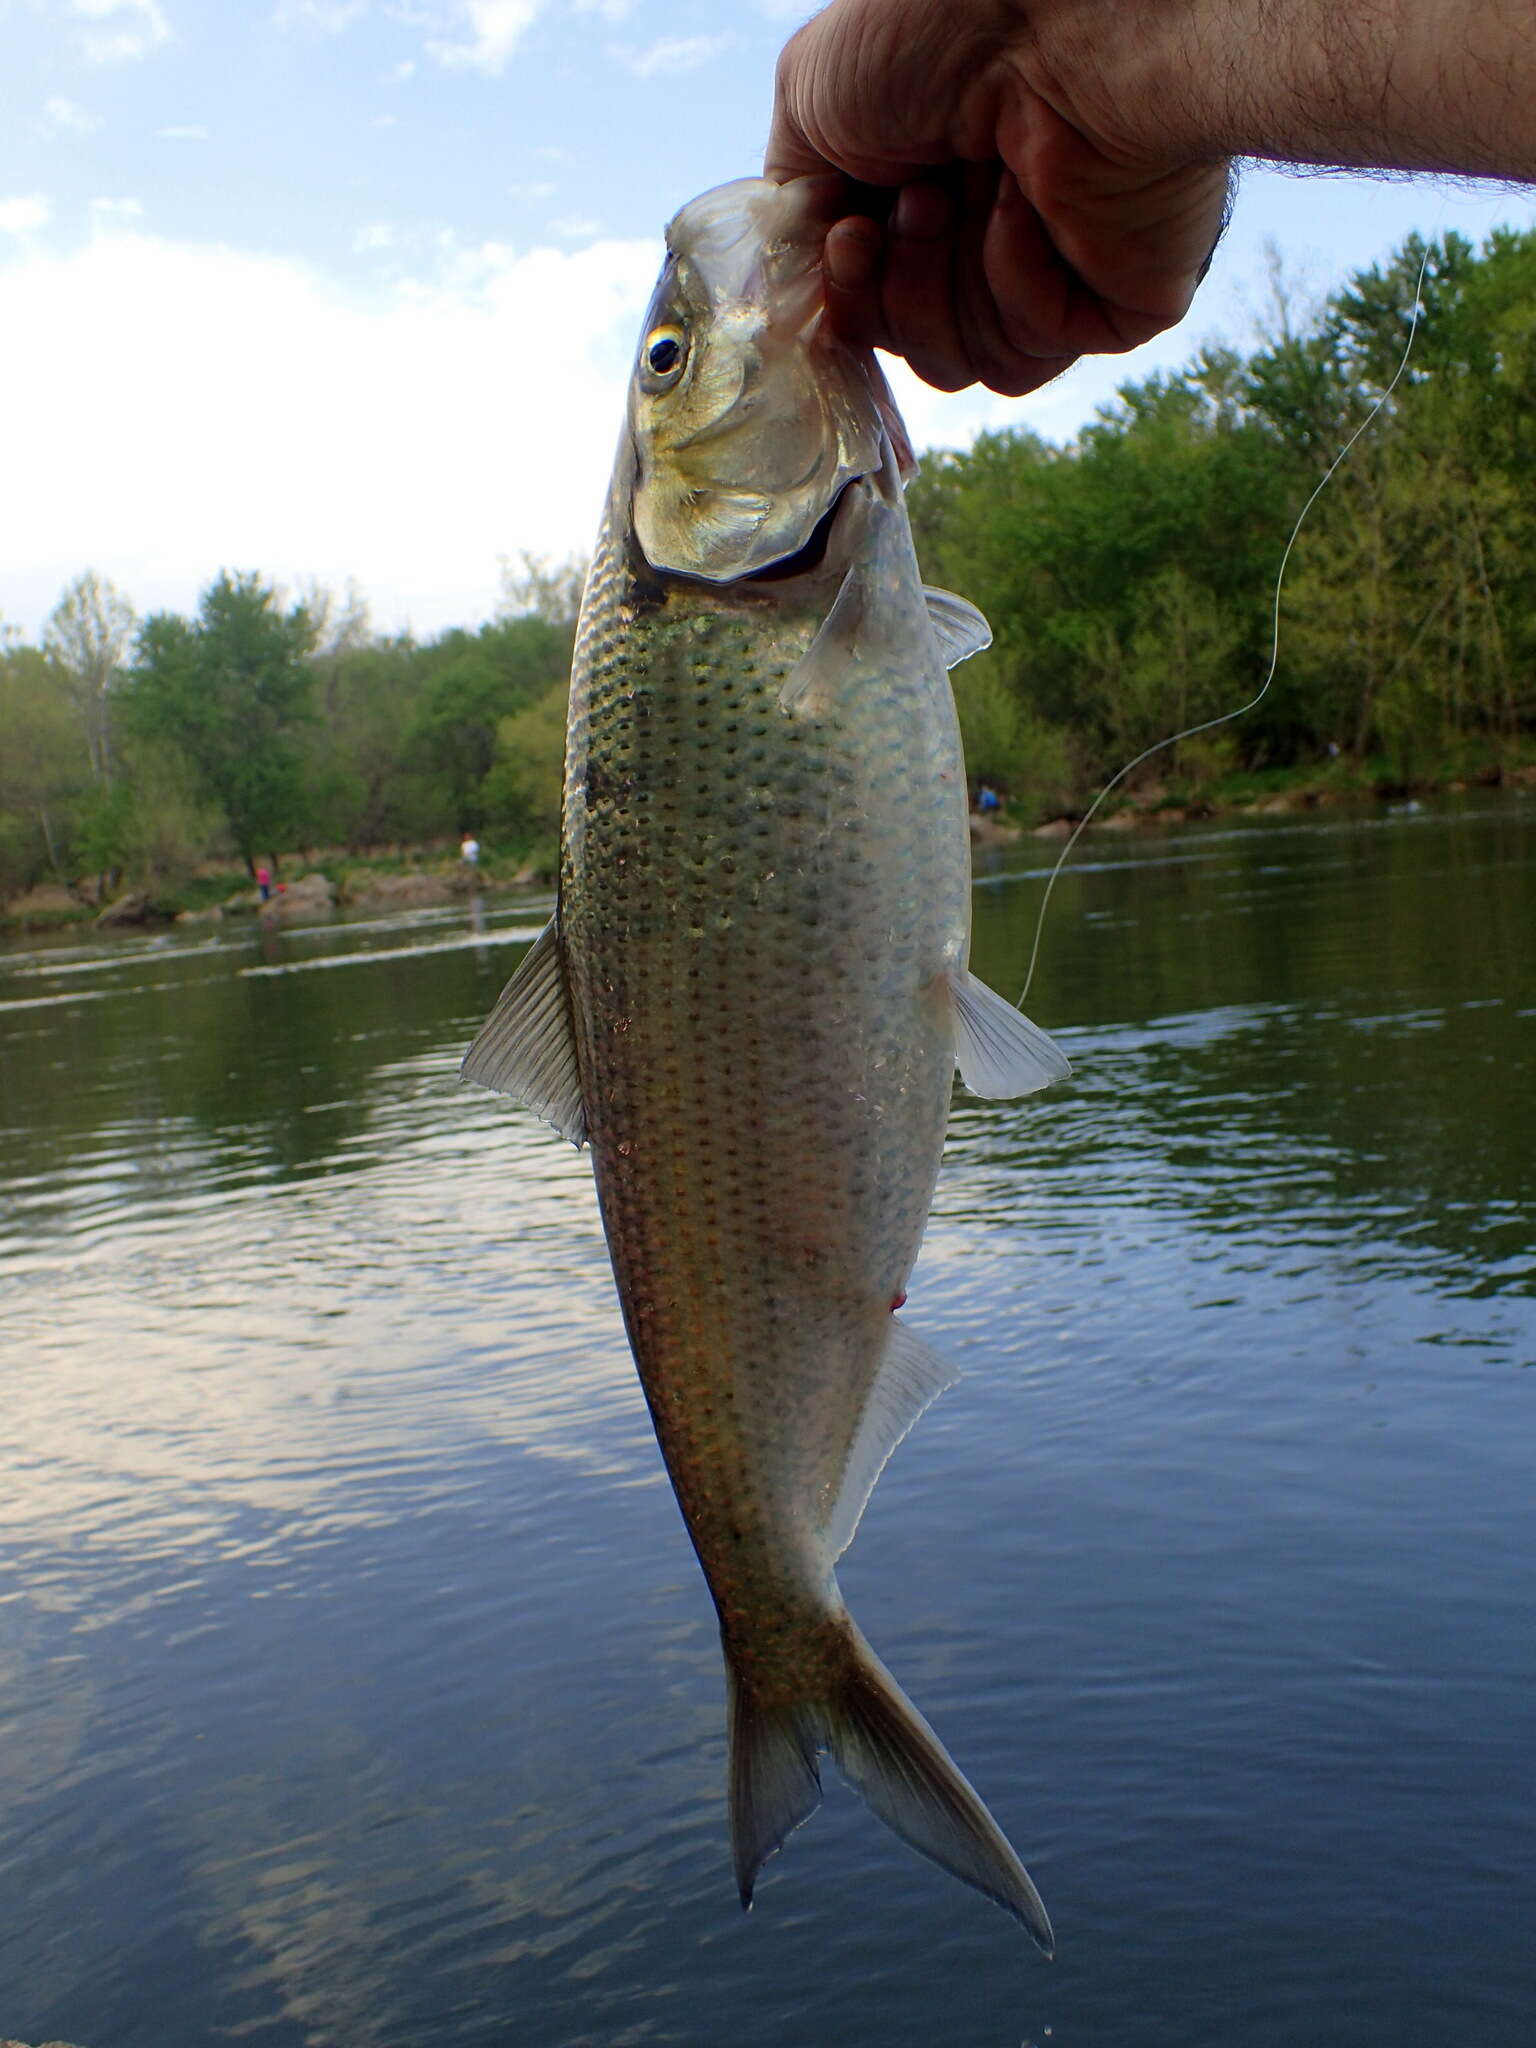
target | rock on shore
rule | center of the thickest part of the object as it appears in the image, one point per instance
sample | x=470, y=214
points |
x=402, y=892
x=132, y=908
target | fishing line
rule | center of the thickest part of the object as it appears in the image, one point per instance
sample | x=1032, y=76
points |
x=1226, y=717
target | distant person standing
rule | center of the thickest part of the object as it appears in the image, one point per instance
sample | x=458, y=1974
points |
x=469, y=852
x=264, y=884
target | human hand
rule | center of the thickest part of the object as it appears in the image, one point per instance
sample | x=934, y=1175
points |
x=1029, y=226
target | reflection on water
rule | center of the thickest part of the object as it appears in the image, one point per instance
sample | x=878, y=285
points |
x=356, y=1680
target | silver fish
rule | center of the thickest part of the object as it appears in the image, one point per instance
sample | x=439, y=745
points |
x=754, y=993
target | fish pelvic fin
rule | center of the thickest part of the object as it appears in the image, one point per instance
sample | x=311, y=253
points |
x=998, y=1051
x=891, y=1757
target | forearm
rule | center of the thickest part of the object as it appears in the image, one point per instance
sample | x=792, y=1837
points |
x=1433, y=85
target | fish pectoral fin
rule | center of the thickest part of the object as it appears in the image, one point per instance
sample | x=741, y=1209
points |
x=527, y=1046
x=998, y=1051
x=959, y=628
x=825, y=666
x=910, y=1376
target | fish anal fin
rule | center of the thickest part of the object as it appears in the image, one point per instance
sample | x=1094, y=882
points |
x=911, y=1374
x=527, y=1046
x=998, y=1051
x=959, y=628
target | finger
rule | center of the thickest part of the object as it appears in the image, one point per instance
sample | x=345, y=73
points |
x=999, y=361
x=852, y=261
x=1130, y=249
x=790, y=153
x=826, y=196
x=805, y=83
x=1117, y=285
x=916, y=290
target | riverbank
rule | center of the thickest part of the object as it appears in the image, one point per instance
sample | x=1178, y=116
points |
x=307, y=886
x=313, y=883
x=1256, y=793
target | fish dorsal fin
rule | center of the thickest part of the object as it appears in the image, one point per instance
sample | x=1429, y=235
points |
x=911, y=1374
x=527, y=1046
x=998, y=1051
x=958, y=627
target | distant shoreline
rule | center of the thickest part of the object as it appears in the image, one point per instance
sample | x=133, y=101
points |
x=314, y=883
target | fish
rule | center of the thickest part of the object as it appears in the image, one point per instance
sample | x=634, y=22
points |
x=753, y=995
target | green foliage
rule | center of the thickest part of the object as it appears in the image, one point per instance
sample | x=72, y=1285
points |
x=231, y=692
x=522, y=789
x=1129, y=578
x=151, y=822
x=44, y=770
x=471, y=683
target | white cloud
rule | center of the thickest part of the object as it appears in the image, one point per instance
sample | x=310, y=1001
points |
x=115, y=216
x=23, y=216
x=191, y=132
x=610, y=10
x=671, y=54
x=374, y=234
x=249, y=415
x=494, y=30
x=325, y=17
x=128, y=29
x=64, y=117
x=576, y=228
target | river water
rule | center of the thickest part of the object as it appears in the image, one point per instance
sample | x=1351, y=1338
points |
x=357, y=1684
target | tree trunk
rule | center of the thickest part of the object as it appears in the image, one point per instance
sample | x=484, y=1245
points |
x=47, y=825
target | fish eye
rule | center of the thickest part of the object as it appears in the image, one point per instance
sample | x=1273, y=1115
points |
x=665, y=352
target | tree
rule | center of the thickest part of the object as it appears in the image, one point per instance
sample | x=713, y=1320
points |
x=522, y=789
x=543, y=589
x=89, y=636
x=232, y=692
x=471, y=683
x=43, y=769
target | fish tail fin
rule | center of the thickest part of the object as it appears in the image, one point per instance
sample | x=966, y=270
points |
x=775, y=1779
x=889, y=1754
x=892, y=1758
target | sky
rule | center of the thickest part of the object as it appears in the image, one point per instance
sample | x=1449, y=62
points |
x=346, y=290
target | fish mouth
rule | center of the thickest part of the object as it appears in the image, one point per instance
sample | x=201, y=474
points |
x=813, y=552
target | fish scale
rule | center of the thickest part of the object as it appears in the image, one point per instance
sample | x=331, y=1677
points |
x=765, y=1129
x=754, y=993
